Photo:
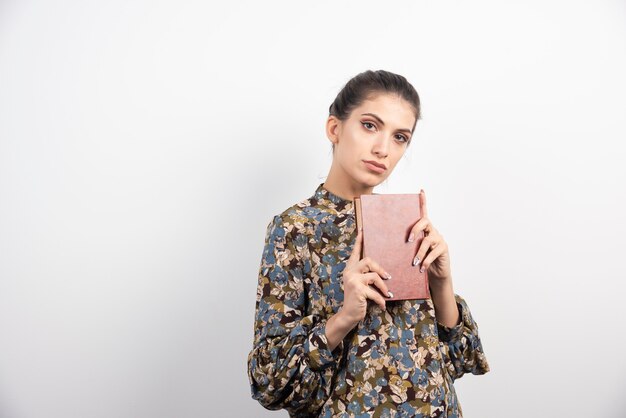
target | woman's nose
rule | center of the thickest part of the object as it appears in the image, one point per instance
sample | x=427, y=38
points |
x=381, y=147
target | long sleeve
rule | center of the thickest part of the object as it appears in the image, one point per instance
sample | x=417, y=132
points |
x=290, y=365
x=461, y=346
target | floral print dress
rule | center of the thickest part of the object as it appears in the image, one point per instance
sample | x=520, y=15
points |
x=397, y=362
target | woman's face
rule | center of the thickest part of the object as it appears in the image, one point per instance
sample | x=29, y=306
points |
x=377, y=131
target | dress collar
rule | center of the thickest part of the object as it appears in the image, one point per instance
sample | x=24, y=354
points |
x=338, y=203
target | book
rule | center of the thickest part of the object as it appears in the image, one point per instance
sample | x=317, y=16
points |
x=387, y=220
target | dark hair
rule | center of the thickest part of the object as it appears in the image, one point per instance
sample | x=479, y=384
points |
x=366, y=84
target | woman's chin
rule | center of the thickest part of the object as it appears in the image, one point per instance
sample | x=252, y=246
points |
x=371, y=181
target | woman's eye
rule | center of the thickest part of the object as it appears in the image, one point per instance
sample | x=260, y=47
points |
x=403, y=138
x=367, y=123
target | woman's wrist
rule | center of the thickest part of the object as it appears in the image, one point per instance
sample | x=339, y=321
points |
x=440, y=287
x=446, y=310
x=337, y=327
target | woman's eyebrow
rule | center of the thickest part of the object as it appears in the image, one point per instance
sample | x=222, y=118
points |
x=383, y=123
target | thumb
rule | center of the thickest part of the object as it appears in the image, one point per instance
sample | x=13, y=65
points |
x=356, y=250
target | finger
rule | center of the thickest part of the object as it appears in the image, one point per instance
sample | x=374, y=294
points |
x=355, y=256
x=375, y=280
x=372, y=294
x=423, y=209
x=419, y=226
x=367, y=265
x=432, y=256
x=426, y=245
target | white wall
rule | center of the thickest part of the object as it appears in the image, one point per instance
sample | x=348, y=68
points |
x=145, y=145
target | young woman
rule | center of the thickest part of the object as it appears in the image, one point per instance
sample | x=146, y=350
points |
x=320, y=349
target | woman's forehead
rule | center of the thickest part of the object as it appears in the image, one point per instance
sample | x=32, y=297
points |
x=391, y=109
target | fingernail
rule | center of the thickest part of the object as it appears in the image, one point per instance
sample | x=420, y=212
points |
x=422, y=269
x=411, y=237
x=387, y=275
x=390, y=294
x=416, y=261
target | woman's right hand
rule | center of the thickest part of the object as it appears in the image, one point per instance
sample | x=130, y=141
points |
x=358, y=275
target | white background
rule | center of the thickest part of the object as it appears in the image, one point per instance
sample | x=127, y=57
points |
x=145, y=146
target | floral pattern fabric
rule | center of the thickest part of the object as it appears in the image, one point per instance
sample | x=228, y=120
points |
x=397, y=362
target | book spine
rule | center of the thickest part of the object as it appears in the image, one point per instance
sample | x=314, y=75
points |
x=359, y=220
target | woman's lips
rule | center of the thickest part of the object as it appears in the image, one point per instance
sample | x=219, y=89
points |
x=374, y=168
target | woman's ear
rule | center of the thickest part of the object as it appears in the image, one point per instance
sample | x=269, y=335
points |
x=333, y=128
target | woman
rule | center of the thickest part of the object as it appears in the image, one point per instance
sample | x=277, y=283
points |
x=319, y=348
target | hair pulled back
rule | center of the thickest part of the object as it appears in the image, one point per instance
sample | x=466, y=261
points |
x=368, y=83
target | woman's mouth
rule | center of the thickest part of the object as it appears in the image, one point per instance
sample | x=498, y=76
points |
x=375, y=167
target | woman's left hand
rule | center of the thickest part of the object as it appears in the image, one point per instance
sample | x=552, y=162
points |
x=432, y=253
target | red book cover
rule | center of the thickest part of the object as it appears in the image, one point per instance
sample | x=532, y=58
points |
x=387, y=220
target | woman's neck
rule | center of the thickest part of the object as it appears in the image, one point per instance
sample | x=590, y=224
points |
x=344, y=188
